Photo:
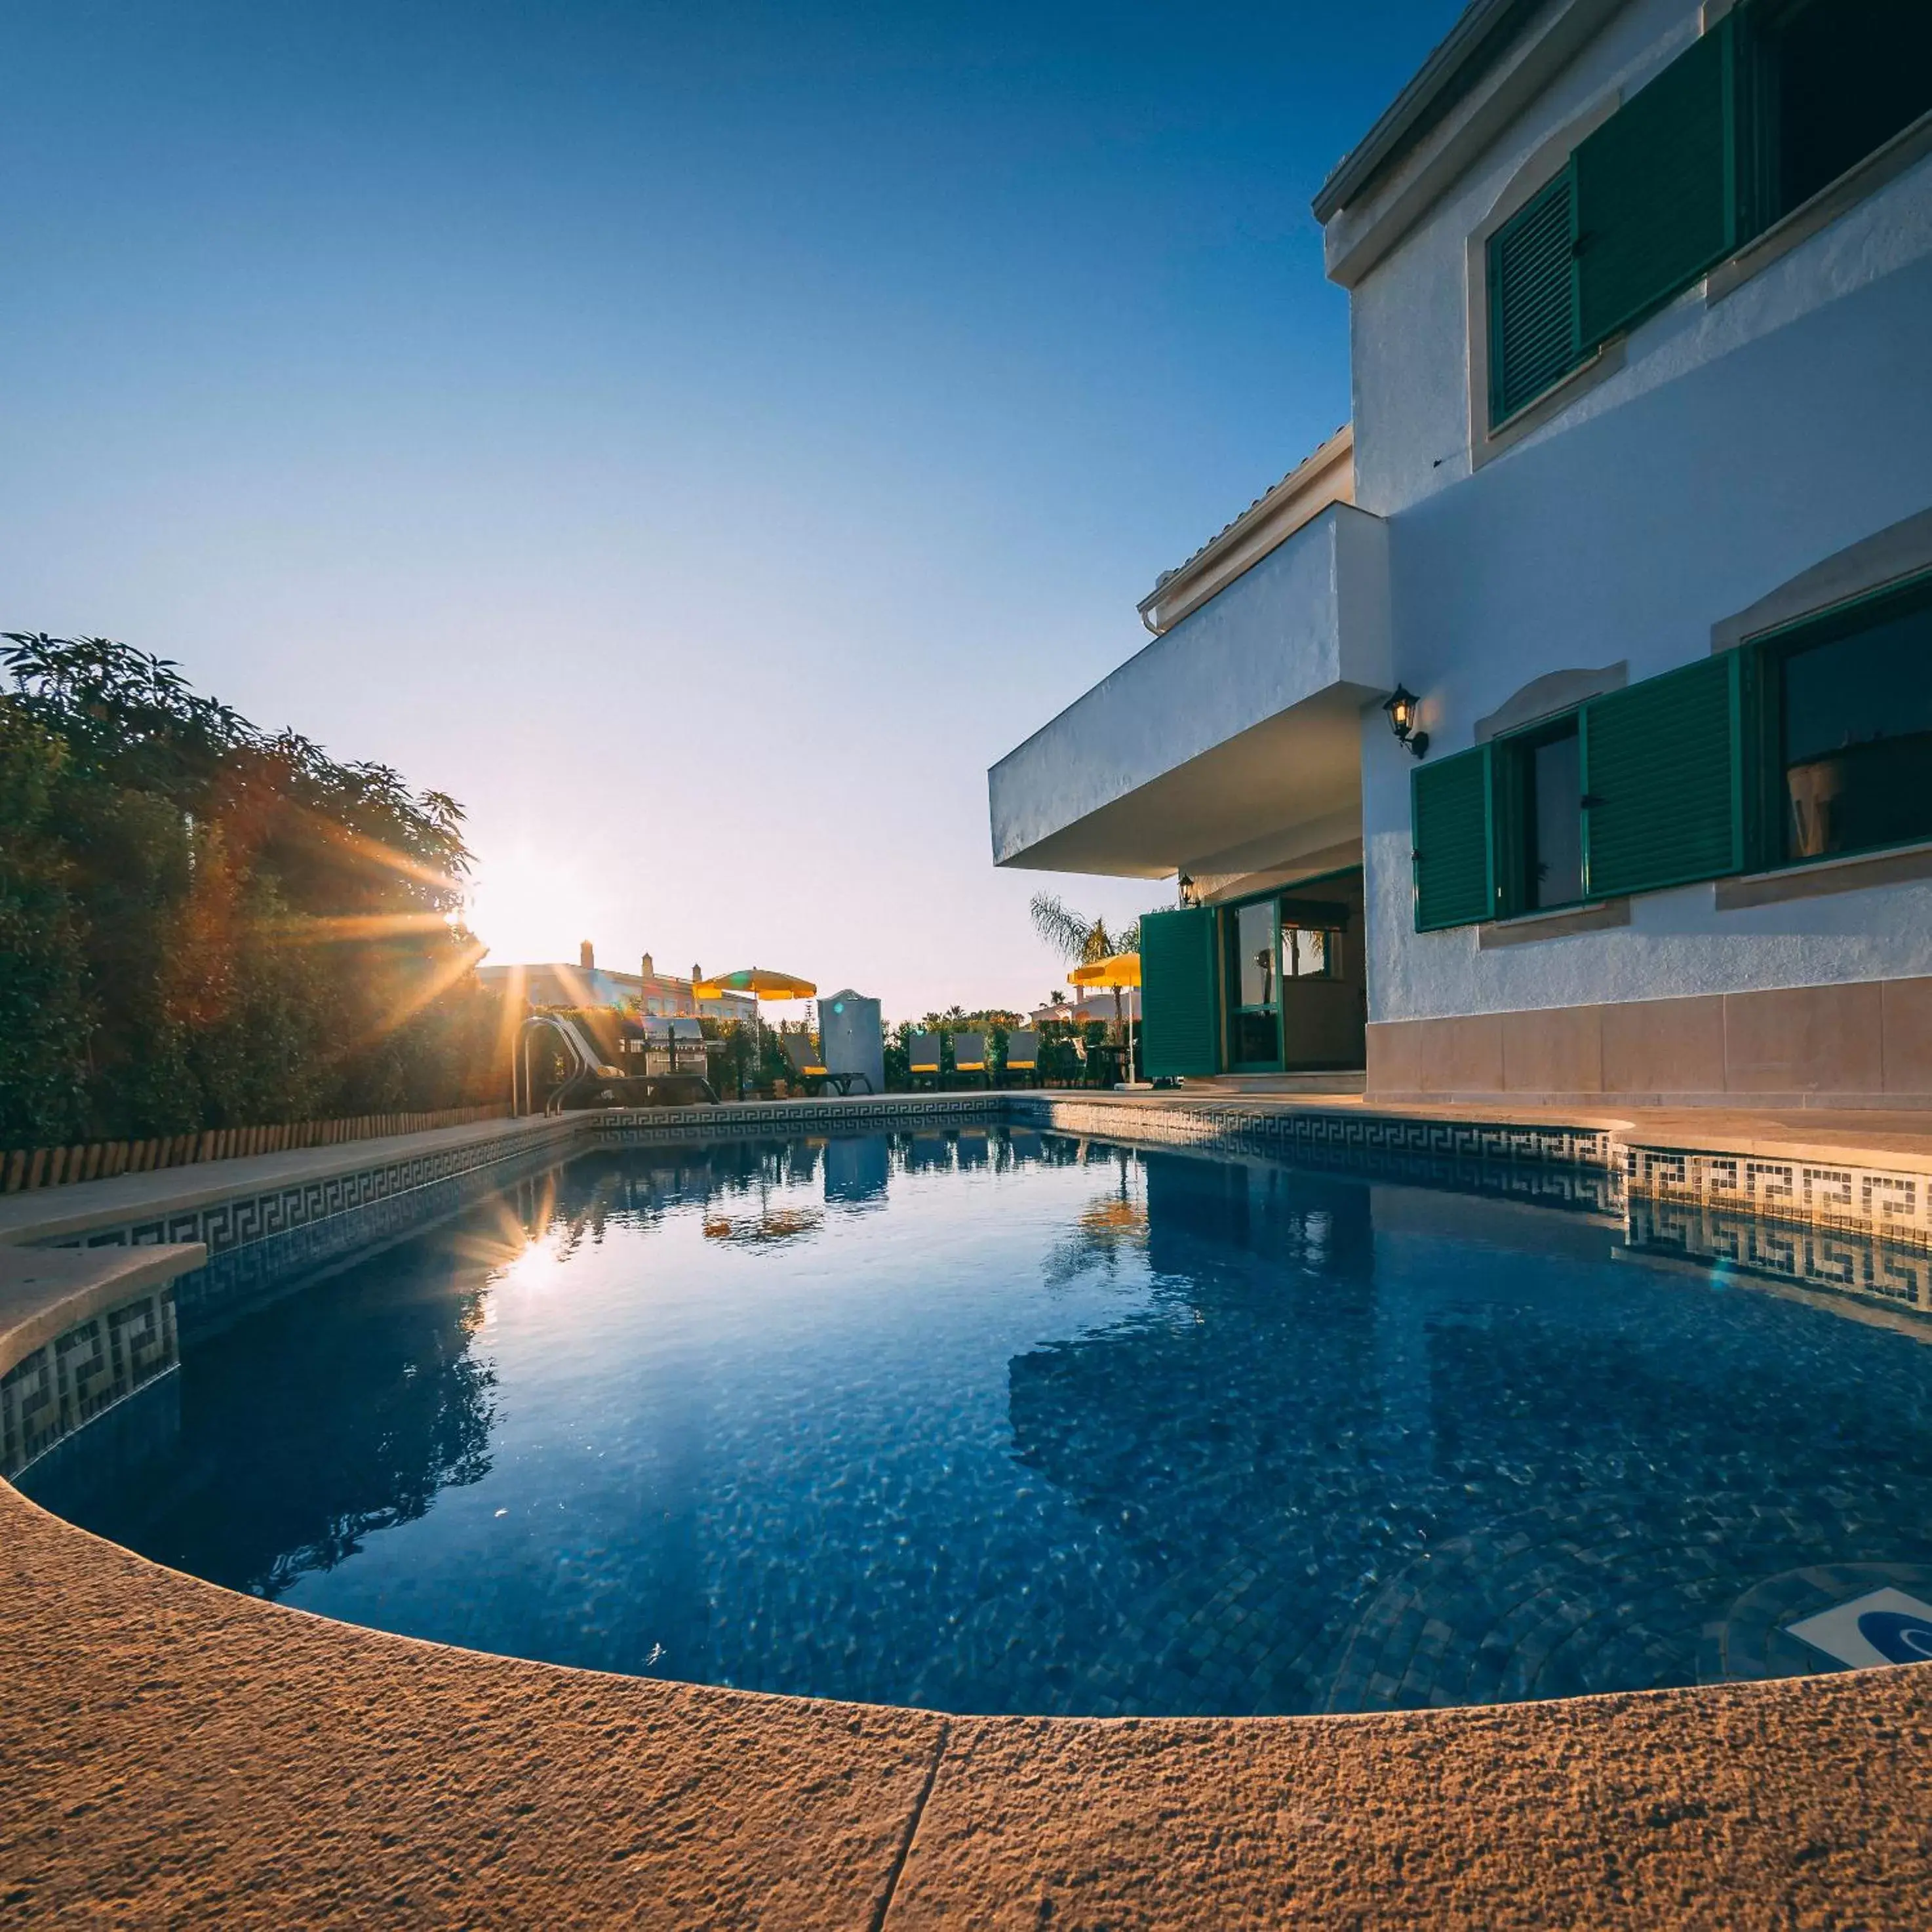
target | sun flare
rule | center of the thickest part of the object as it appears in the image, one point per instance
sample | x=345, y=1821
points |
x=529, y=906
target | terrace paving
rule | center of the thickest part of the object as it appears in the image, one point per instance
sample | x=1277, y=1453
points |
x=176, y=1753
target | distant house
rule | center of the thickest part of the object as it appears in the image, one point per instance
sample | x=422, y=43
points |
x=558, y=983
x=1561, y=727
x=1089, y=1006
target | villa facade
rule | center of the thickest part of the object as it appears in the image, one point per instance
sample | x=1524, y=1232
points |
x=648, y=993
x=1637, y=502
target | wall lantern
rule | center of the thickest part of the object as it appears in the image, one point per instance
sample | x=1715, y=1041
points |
x=1400, y=705
x=1189, y=893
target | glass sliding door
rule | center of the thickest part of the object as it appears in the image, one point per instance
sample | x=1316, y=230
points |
x=1254, y=987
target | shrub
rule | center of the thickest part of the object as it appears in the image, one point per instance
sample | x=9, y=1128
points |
x=203, y=925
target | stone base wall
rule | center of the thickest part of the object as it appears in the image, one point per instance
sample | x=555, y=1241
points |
x=1868, y=1045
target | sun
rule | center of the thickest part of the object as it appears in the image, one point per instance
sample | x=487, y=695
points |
x=529, y=903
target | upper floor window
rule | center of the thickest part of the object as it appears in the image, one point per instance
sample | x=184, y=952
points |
x=1778, y=101
x=1834, y=80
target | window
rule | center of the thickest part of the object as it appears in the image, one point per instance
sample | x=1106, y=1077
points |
x=1779, y=99
x=1631, y=792
x=1810, y=742
x=1851, y=695
x=1833, y=81
x=1310, y=953
x=1254, y=955
x=1254, y=1038
x=1548, y=770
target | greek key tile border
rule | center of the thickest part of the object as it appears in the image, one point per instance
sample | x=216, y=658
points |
x=68, y=1381
x=1887, y=1204
x=1844, y=1260
x=257, y=1239
x=246, y=1218
x=1307, y=1131
x=1571, y=1168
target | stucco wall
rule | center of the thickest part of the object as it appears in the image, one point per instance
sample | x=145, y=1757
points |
x=1626, y=536
x=1409, y=316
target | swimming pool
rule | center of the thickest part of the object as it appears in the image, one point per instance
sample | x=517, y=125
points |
x=1002, y=1421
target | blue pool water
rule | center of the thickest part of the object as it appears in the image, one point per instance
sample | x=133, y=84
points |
x=1000, y=1422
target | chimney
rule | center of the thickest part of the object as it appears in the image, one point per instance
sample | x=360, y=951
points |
x=586, y=956
x=649, y=970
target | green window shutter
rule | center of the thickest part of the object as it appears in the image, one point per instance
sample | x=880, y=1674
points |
x=1664, y=802
x=1534, y=339
x=1656, y=190
x=1455, y=872
x=1180, y=1024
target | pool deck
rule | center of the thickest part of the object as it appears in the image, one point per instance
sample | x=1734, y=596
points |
x=176, y=1753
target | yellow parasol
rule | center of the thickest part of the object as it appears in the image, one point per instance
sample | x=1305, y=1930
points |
x=1117, y=969
x=759, y=982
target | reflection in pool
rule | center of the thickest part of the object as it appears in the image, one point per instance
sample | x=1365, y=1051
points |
x=999, y=1421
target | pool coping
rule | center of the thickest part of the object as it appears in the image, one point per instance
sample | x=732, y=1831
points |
x=175, y=1749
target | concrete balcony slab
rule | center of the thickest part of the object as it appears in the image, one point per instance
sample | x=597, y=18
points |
x=1241, y=722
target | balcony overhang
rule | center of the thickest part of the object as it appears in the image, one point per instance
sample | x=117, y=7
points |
x=1241, y=723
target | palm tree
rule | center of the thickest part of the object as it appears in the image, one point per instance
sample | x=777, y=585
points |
x=1080, y=939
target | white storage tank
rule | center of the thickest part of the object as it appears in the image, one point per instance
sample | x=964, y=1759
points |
x=852, y=1036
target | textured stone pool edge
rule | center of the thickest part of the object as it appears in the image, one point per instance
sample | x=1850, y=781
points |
x=178, y=1753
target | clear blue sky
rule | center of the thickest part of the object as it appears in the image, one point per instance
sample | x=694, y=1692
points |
x=701, y=437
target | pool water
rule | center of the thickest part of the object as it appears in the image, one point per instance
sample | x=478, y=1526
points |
x=1003, y=1422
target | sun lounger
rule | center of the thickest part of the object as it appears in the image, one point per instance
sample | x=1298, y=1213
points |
x=805, y=1061
x=923, y=1058
x=1023, y=1057
x=969, y=1058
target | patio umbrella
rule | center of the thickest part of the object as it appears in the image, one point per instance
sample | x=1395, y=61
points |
x=759, y=982
x=1117, y=969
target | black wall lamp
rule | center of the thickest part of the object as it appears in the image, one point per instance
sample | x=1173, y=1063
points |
x=1400, y=705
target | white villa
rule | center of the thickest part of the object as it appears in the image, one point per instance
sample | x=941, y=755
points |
x=1562, y=728
x=646, y=993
